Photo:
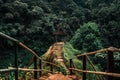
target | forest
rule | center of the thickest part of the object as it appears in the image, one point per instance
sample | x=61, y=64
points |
x=90, y=25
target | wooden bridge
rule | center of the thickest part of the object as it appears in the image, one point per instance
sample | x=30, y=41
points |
x=38, y=70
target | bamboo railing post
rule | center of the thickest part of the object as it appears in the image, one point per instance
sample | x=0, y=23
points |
x=110, y=64
x=35, y=67
x=99, y=77
x=70, y=66
x=40, y=67
x=16, y=61
x=51, y=67
x=84, y=68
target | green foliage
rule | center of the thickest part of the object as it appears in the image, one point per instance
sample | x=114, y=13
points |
x=38, y=10
x=87, y=38
x=70, y=53
x=20, y=5
x=34, y=21
x=112, y=32
x=100, y=60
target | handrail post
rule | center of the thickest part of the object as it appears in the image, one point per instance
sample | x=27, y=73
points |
x=70, y=66
x=16, y=61
x=110, y=64
x=35, y=67
x=51, y=67
x=40, y=67
x=84, y=68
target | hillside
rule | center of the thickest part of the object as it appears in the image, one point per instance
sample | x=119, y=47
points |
x=90, y=25
x=35, y=21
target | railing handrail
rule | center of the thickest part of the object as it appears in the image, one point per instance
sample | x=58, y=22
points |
x=97, y=72
x=19, y=43
x=7, y=70
x=113, y=49
x=25, y=47
x=8, y=37
x=110, y=60
x=53, y=64
x=26, y=69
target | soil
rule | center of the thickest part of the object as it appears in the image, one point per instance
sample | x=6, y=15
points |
x=59, y=76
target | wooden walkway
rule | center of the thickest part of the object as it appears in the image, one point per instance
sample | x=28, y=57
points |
x=38, y=71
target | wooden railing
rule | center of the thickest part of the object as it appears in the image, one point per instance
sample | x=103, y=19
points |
x=35, y=59
x=110, y=64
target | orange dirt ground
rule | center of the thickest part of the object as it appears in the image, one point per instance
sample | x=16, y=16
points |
x=59, y=76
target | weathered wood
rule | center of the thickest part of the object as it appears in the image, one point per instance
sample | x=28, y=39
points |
x=51, y=67
x=31, y=61
x=98, y=72
x=100, y=51
x=84, y=68
x=90, y=53
x=8, y=70
x=16, y=61
x=28, y=49
x=99, y=77
x=51, y=64
x=8, y=37
x=26, y=69
x=70, y=66
x=40, y=67
x=110, y=64
x=35, y=67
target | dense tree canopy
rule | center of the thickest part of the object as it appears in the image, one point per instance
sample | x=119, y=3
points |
x=42, y=17
x=34, y=22
x=87, y=38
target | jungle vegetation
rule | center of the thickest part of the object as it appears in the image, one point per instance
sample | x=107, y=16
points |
x=91, y=24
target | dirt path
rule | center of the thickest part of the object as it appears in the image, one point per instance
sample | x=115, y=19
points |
x=55, y=54
x=59, y=76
